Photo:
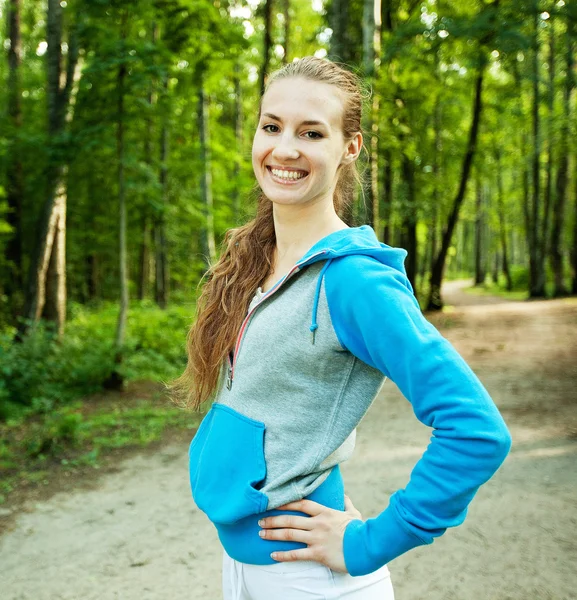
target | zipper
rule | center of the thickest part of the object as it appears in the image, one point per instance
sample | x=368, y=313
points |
x=232, y=360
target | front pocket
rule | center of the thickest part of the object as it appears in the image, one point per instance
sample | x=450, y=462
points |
x=197, y=441
x=226, y=464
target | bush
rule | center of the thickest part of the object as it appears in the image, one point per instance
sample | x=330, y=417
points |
x=156, y=342
x=519, y=277
x=40, y=374
x=54, y=434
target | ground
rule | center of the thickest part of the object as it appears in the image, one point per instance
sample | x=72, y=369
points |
x=135, y=534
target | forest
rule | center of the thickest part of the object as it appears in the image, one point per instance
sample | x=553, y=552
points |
x=126, y=131
x=125, y=156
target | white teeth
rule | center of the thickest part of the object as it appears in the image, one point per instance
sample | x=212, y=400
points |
x=288, y=174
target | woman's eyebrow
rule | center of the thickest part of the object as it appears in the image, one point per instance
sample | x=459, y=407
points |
x=309, y=122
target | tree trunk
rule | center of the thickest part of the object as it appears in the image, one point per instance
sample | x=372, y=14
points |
x=91, y=272
x=556, y=255
x=371, y=53
x=526, y=189
x=43, y=265
x=60, y=101
x=93, y=289
x=116, y=381
x=14, y=283
x=502, y=222
x=460, y=263
x=495, y=271
x=423, y=264
x=238, y=120
x=340, y=47
x=143, y=256
x=387, y=195
x=368, y=37
x=574, y=248
x=55, y=307
x=410, y=221
x=479, y=231
x=523, y=165
x=386, y=29
x=286, y=7
x=536, y=249
x=437, y=153
x=267, y=43
x=550, y=145
x=160, y=224
x=145, y=226
x=207, y=236
x=375, y=187
x=435, y=301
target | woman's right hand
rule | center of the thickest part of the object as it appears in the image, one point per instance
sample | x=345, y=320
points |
x=323, y=532
x=350, y=508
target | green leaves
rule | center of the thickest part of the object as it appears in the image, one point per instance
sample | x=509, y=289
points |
x=40, y=375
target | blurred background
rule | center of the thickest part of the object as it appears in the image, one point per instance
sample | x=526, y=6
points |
x=125, y=154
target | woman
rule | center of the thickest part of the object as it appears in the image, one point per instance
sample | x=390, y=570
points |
x=300, y=323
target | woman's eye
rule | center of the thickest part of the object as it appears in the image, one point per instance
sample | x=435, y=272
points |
x=265, y=127
x=306, y=132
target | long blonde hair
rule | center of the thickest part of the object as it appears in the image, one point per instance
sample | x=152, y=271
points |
x=247, y=251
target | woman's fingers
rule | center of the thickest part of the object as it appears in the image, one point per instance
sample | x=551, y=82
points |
x=303, y=554
x=350, y=508
x=292, y=535
x=287, y=521
x=322, y=534
x=307, y=506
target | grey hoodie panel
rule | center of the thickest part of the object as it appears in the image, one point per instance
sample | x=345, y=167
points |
x=306, y=394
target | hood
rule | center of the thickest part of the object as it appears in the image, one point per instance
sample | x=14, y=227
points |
x=356, y=240
x=352, y=240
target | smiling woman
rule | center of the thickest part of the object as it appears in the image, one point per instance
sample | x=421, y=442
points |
x=301, y=321
x=286, y=150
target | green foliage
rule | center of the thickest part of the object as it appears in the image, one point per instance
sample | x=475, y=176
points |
x=56, y=432
x=429, y=61
x=39, y=375
x=492, y=289
x=32, y=450
x=139, y=425
x=66, y=429
x=519, y=277
x=156, y=342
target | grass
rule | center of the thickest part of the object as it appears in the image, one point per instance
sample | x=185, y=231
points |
x=97, y=431
x=491, y=289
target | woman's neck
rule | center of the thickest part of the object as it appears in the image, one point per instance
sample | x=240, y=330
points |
x=298, y=228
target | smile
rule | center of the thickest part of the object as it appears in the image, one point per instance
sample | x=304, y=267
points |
x=286, y=177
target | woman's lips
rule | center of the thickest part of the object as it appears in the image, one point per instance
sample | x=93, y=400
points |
x=283, y=181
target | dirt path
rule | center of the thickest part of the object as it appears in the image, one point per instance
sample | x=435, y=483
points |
x=139, y=535
x=454, y=294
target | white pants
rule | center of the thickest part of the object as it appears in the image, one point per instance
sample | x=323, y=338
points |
x=301, y=580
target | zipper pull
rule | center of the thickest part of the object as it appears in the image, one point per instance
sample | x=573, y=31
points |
x=229, y=376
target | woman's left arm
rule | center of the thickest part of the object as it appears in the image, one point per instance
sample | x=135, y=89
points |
x=378, y=319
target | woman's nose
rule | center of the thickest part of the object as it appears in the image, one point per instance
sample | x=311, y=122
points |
x=285, y=148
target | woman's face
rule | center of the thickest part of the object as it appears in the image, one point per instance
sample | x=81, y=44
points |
x=285, y=144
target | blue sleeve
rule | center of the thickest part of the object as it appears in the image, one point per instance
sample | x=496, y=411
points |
x=377, y=318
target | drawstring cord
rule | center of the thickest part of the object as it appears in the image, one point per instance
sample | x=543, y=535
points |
x=314, y=325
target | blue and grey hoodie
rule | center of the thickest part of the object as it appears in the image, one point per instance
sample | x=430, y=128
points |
x=309, y=359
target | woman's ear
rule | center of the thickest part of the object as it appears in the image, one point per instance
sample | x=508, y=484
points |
x=353, y=149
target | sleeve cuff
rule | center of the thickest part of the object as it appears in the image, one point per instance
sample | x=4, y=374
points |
x=368, y=545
